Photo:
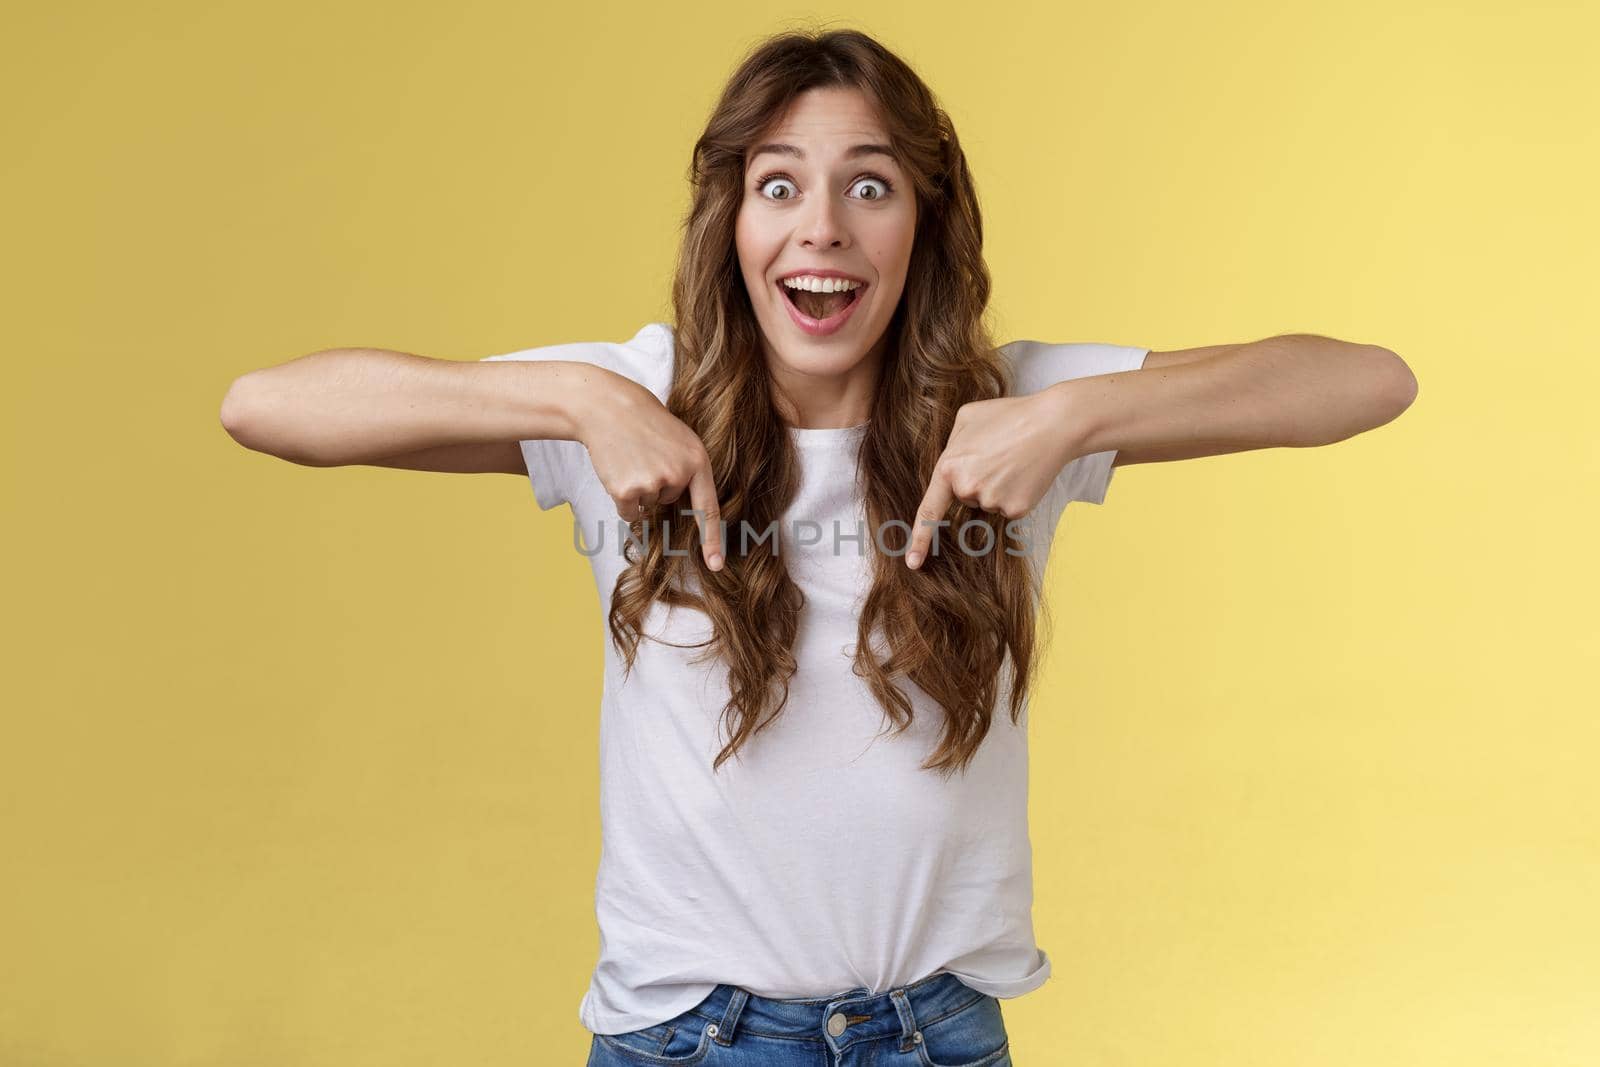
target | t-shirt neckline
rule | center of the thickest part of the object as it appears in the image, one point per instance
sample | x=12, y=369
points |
x=827, y=435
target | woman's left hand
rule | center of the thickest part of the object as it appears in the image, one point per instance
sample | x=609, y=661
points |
x=1002, y=456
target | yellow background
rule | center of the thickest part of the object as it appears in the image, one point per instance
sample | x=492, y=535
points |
x=299, y=765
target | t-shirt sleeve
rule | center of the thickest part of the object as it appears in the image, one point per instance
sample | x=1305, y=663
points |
x=558, y=469
x=1038, y=365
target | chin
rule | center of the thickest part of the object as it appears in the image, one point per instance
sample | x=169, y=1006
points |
x=829, y=362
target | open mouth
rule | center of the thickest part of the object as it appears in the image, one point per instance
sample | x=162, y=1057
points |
x=820, y=313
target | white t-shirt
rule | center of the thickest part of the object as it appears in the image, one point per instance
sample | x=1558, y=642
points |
x=822, y=857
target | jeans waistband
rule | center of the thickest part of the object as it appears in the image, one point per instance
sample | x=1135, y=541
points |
x=839, y=1019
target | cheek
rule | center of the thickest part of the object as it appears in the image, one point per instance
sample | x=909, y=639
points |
x=749, y=238
x=891, y=257
x=907, y=233
x=749, y=253
x=741, y=240
x=892, y=240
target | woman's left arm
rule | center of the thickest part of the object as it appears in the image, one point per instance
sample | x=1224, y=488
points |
x=1294, y=390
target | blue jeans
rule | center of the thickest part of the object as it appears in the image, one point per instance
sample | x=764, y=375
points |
x=934, y=1022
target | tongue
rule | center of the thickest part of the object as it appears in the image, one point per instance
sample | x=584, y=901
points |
x=820, y=305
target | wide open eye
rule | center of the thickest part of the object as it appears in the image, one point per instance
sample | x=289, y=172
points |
x=762, y=184
x=887, y=187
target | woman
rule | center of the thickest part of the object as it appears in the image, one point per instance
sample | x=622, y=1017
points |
x=815, y=845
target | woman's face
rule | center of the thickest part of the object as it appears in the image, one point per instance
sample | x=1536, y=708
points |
x=825, y=203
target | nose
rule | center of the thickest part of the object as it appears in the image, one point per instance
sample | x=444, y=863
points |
x=823, y=226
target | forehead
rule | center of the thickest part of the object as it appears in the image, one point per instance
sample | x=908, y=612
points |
x=825, y=123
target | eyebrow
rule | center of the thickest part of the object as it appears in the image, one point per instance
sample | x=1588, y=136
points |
x=854, y=152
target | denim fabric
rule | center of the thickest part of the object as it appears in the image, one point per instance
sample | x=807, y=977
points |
x=934, y=1022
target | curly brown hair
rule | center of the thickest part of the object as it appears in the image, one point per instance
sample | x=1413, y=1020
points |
x=949, y=627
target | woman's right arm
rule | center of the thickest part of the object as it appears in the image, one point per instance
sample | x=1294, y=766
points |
x=373, y=406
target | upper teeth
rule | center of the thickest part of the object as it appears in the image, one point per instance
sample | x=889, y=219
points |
x=813, y=284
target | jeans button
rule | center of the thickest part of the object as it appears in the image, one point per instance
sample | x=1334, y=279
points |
x=836, y=1024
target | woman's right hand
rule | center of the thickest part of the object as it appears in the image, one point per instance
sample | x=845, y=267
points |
x=644, y=455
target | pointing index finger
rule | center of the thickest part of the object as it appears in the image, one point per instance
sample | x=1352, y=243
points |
x=703, y=499
x=935, y=502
